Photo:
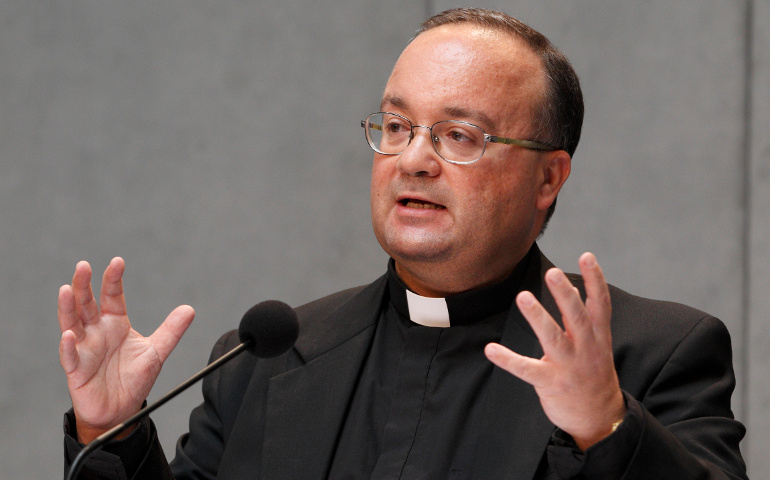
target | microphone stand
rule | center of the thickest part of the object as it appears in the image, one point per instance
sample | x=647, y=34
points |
x=99, y=441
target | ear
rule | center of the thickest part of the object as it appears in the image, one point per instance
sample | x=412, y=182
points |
x=556, y=167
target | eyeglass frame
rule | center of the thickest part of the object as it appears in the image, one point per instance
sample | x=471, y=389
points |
x=528, y=144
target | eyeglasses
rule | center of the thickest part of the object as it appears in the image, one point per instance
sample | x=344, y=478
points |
x=455, y=141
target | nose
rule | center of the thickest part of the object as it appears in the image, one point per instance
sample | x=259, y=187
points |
x=420, y=158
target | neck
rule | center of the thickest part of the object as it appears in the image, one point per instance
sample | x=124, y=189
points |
x=431, y=280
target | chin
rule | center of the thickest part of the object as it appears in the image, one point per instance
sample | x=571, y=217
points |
x=415, y=248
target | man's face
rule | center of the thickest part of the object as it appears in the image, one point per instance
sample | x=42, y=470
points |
x=454, y=227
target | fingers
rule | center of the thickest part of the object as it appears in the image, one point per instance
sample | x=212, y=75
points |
x=589, y=321
x=584, y=323
x=575, y=316
x=550, y=335
x=598, y=303
x=167, y=336
x=528, y=369
x=111, y=298
x=77, y=306
x=68, y=353
x=85, y=303
x=67, y=313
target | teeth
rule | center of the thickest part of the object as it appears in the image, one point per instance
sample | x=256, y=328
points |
x=418, y=204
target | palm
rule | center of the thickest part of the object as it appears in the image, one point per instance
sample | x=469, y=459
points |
x=108, y=378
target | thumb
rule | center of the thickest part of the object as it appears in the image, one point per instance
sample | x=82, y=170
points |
x=167, y=336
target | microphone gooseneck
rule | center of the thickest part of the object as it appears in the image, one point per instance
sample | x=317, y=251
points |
x=267, y=329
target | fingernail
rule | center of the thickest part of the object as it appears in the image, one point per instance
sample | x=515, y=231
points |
x=526, y=300
x=554, y=276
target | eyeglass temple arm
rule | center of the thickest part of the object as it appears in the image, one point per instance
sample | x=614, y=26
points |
x=532, y=145
x=371, y=125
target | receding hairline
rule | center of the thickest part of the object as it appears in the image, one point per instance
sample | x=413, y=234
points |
x=489, y=20
x=518, y=46
x=561, y=108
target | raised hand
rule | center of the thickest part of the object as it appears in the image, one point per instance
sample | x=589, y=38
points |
x=576, y=378
x=110, y=367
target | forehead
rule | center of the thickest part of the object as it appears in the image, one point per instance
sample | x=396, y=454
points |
x=467, y=70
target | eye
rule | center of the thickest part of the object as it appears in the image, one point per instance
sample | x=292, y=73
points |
x=395, y=125
x=459, y=135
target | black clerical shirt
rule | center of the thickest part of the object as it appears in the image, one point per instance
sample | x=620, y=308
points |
x=418, y=403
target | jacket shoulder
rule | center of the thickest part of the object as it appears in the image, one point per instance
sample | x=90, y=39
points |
x=326, y=304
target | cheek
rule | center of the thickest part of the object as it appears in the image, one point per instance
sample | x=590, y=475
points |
x=378, y=181
x=507, y=195
x=379, y=187
x=501, y=186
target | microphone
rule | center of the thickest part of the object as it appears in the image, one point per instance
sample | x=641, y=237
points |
x=267, y=330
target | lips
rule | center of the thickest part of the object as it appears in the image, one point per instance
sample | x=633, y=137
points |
x=423, y=204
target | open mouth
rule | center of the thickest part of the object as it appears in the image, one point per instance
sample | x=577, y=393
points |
x=414, y=203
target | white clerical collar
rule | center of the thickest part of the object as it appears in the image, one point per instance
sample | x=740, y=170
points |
x=427, y=311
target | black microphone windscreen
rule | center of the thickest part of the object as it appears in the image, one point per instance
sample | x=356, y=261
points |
x=271, y=326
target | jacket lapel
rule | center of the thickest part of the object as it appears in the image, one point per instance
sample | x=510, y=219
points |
x=516, y=431
x=306, y=406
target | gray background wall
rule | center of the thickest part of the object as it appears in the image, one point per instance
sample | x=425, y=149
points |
x=216, y=147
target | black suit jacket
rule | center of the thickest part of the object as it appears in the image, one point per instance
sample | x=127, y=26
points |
x=280, y=418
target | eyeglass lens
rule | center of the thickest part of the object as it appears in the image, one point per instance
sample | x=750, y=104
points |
x=454, y=141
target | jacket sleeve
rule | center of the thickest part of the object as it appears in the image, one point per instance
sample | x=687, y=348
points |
x=138, y=456
x=688, y=429
x=679, y=423
x=680, y=427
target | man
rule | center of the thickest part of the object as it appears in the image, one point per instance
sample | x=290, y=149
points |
x=473, y=143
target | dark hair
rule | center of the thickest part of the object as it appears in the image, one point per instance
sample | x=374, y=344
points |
x=559, y=116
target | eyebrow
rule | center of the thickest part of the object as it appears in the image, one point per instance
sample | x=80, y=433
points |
x=477, y=115
x=452, y=112
x=395, y=101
